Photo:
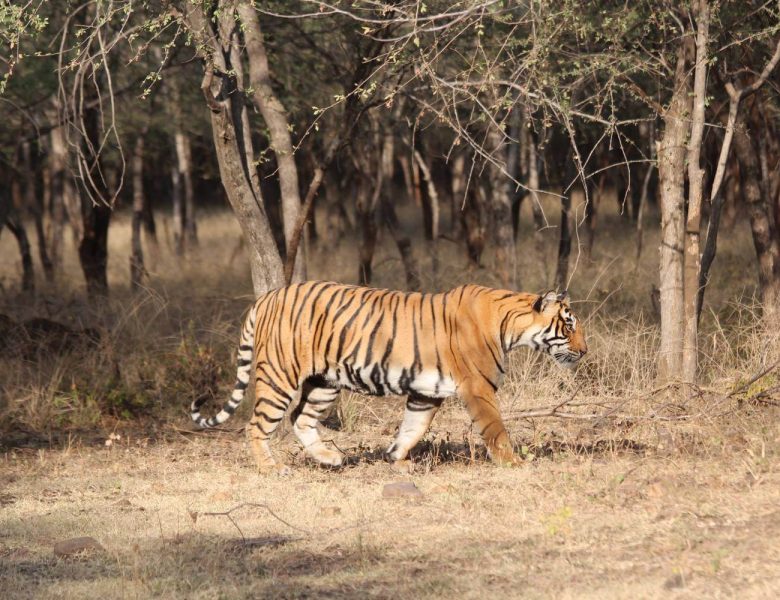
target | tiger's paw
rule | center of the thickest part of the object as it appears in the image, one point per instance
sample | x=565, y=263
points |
x=393, y=454
x=506, y=459
x=329, y=458
x=279, y=469
x=403, y=466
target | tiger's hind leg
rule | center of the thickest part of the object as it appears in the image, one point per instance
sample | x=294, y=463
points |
x=313, y=407
x=417, y=419
x=272, y=402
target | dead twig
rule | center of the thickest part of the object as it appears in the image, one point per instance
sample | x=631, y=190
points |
x=228, y=513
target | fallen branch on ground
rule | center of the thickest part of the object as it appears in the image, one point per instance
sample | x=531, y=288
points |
x=611, y=412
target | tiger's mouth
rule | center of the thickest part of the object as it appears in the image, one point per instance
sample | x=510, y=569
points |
x=568, y=359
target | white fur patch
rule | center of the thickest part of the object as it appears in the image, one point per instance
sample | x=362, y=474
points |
x=431, y=385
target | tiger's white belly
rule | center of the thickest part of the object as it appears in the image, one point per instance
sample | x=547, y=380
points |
x=431, y=385
x=396, y=381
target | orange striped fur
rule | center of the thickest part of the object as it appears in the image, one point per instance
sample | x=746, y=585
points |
x=306, y=341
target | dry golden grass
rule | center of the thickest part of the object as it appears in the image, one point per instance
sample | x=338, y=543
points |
x=666, y=494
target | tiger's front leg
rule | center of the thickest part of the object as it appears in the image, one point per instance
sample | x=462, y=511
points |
x=417, y=419
x=482, y=406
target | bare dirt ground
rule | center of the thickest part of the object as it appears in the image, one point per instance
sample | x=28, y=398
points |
x=580, y=522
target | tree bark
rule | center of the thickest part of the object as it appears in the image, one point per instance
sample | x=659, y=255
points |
x=177, y=210
x=564, y=241
x=8, y=216
x=185, y=233
x=137, y=269
x=184, y=161
x=28, y=271
x=365, y=205
x=515, y=162
x=458, y=177
x=644, y=195
x=95, y=214
x=432, y=201
x=33, y=202
x=64, y=195
x=765, y=238
x=736, y=95
x=501, y=212
x=224, y=92
x=536, y=205
x=695, y=193
x=671, y=173
x=275, y=118
x=58, y=181
x=385, y=170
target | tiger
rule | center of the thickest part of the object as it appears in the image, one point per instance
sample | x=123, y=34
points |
x=306, y=341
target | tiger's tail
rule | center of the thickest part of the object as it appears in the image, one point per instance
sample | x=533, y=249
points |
x=245, y=347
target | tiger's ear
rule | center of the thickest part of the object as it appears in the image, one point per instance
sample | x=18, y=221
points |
x=545, y=301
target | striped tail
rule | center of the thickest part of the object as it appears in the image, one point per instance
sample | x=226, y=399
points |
x=245, y=346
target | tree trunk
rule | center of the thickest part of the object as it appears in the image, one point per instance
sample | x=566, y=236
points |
x=365, y=205
x=540, y=222
x=137, y=270
x=643, y=198
x=591, y=218
x=8, y=216
x=95, y=214
x=28, y=271
x=501, y=211
x=229, y=123
x=564, y=240
x=177, y=210
x=185, y=233
x=387, y=210
x=515, y=163
x=33, y=204
x=458, y=199
x=278, y=126
x=671, y=173
x=184, y=160
x=765, y=238
x=56, y=173
x=695, y=194
x=93, y=248
x=432, y=202
x=64, y=195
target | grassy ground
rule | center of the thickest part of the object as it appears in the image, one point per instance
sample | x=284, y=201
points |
x=646, y=493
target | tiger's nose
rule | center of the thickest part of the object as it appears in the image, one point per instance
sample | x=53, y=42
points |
x=583, y=351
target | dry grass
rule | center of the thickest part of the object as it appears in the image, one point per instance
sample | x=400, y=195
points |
x=665, y=494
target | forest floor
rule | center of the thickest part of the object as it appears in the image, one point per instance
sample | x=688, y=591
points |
x=650, y=492
x=582, y=522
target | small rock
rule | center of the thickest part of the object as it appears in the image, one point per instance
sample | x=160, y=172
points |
x=401, y=489
x=330, y=511
x=674, y=582
x=124, y=503
x=77, y=546
x=441, y=489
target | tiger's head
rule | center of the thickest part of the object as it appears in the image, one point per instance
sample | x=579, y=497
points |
x=556, y=330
